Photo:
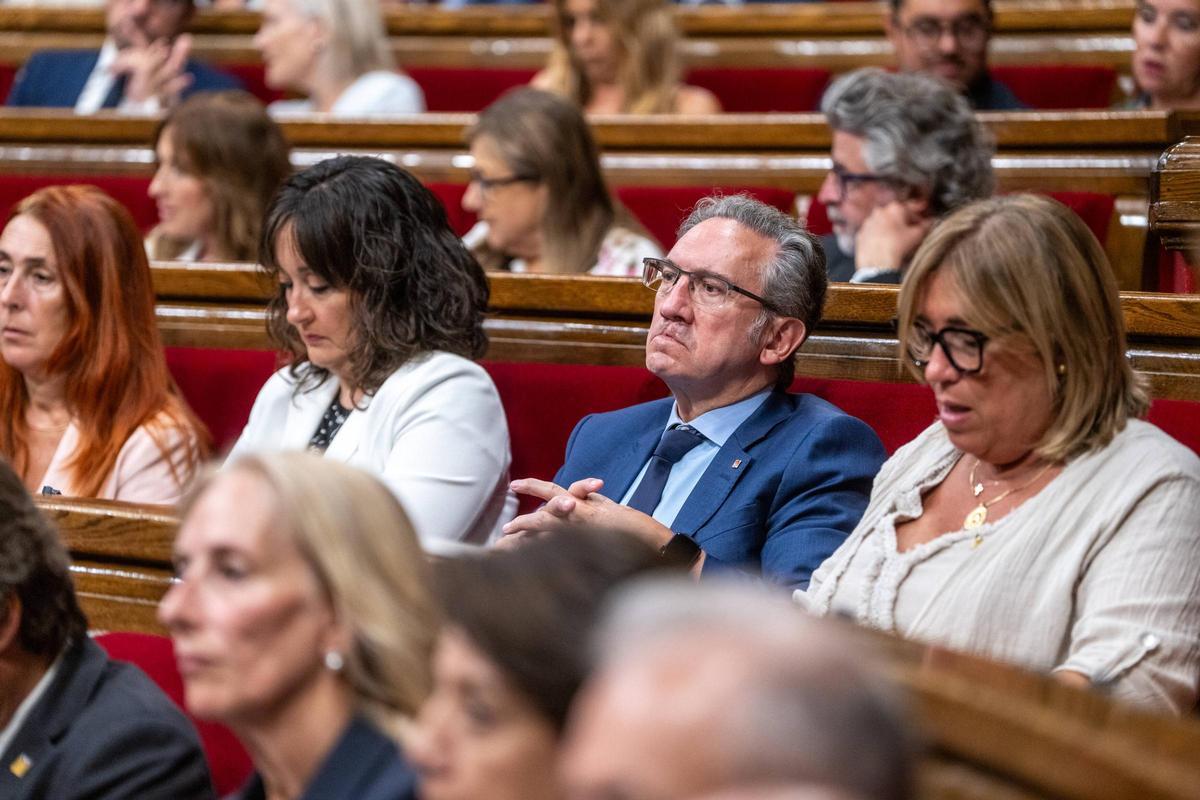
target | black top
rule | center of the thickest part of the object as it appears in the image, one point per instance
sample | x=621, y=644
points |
x=364, y=765
x=331, y=422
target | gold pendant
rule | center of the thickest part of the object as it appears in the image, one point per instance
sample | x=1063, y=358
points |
x=977, y=517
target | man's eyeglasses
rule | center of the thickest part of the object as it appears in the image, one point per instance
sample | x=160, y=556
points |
x=962, y=346
x=486, y=185
x=970, y=31
x=843, y=179
x=710, y=291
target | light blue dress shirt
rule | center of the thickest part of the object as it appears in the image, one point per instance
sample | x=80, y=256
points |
x=716, y=426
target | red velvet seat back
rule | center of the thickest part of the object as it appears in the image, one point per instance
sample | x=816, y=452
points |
x=129, y=191
x=1049, y=86
x=253, y=76
x=466, y=88
x=228, y=761
x=451, y=195
x=8, y=74
x=544, y=401
x=661, y=208
x=220, y=386
x=758, y=90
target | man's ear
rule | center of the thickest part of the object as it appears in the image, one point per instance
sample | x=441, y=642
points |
x=10, y=621
x=781, y=340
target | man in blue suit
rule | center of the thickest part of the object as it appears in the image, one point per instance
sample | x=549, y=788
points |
x=731, y=471
x=143, y=66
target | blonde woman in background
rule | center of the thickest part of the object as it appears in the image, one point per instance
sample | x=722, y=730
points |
x=302, y=618
x=620, y=57
x=220, y=160
x=336, y=54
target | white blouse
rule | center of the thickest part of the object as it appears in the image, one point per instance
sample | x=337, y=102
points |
x=1098, y=573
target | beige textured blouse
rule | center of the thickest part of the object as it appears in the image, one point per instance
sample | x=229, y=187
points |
x=1098, y=573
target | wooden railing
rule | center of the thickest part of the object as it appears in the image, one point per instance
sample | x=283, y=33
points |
x=1104, y=152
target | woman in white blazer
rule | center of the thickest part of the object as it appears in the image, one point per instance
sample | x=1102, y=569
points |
x=380, y=310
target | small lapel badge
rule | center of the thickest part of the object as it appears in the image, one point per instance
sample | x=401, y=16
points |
x=20, y=765
x=737, y=462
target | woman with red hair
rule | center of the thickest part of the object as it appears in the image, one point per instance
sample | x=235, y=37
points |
x=87, y=407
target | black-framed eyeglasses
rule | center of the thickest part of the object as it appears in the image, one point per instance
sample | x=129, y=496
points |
x=706, y=289
x=970, y=31
x=843, y=179
x=488, y=184
x=962, y=346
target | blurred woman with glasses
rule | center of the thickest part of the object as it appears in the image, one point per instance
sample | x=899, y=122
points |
x=537, y=188
x=620, y=57
x=1038, y=520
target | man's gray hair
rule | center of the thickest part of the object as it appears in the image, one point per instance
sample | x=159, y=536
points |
x=795, y=281
x=809, y=710
x=919, y=132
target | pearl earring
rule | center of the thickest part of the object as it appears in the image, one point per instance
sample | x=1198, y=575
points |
x=334, y=661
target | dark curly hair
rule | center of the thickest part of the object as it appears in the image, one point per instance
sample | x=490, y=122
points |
x=34, y=567
x=367, y=226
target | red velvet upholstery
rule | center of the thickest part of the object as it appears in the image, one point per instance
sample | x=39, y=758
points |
x=253, y=77
x=1096, y=211
x=755, y=90
x=451, y=195
x=8, y=73
x=1179, y=418
x=1059, y=85
x=661, y=208
x=544, y=401
x=130, y=191
x=897, y=412
x=220, y=386
x=466, y=88
x=227, y=759
x=1173, y=274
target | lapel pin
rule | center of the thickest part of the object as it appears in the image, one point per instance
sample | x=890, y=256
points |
x=20, y=765
x=737, y=462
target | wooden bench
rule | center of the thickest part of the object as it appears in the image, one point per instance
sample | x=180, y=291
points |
x=121, y=558
x=1110, y=153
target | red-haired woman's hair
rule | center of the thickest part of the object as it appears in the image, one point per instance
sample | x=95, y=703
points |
x=116, y=377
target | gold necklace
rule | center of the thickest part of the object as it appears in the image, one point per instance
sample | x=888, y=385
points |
x=978, y=515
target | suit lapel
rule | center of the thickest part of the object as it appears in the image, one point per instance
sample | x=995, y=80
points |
x=729, y=464
x=629, y=461
x=78, y=672
x=304, y=414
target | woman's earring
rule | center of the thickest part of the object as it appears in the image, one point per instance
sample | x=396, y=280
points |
x=334, y=661
x=1062, y=369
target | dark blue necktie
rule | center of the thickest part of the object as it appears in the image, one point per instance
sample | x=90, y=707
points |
x=674, y=445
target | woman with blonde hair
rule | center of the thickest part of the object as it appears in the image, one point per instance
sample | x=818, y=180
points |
x=537, y=188
x=89, y=408
x=336, y=54
x=220, y=160
x=1038, y=520
x=302, y=618
x=620, y=57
